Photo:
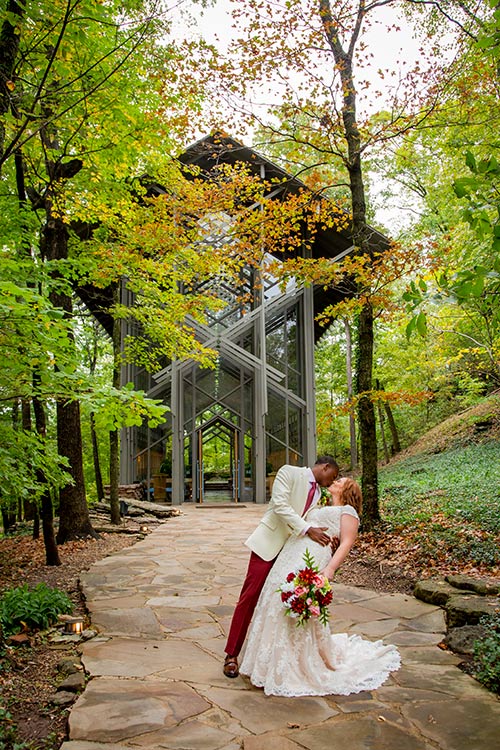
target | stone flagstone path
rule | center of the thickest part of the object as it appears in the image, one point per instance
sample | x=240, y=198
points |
x=163, y=607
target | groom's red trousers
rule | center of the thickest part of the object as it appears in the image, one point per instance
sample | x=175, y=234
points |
x=258, y=570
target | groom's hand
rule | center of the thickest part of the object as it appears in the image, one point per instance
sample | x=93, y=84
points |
x=317, y=534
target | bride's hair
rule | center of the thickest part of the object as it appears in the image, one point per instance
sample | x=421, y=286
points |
x=351, y=494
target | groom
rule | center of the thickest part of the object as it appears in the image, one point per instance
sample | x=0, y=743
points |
x=295, y=490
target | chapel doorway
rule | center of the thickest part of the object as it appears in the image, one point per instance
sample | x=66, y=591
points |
x=218, y=474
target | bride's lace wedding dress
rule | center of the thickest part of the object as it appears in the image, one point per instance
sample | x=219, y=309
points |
x=309, y=660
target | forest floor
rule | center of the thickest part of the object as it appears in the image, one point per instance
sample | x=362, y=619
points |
x=390, y=560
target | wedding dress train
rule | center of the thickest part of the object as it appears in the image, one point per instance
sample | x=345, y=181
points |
x=309, y=660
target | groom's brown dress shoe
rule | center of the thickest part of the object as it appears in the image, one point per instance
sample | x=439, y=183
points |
x=231, y=668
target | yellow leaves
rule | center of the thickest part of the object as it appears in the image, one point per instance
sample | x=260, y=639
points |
x=393, y=398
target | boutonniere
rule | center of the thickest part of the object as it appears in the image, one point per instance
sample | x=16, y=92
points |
x=325, y=497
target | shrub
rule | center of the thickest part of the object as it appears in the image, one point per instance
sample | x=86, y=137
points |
x=487, y=654
x=36, y=608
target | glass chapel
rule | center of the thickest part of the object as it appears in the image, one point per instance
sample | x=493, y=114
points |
x=229, y=429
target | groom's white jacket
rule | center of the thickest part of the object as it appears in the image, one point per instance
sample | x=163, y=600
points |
x=283, y=516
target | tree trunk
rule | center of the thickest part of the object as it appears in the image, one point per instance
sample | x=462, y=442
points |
x=30, y=509
x=93, y=431
x=396, y=445
x=9, y=47
x=352, y=418
x=366, y=416
x=114, y=437
x=74, y=520
x=360, y=237
x=47, y=513
x=97, y=463
x=382, y=432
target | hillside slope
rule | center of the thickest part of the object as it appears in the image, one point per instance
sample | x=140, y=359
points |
x=440, y=506
x=478, y=424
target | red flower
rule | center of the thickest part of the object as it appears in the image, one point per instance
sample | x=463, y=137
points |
x=285, y=595
x=324, y=599
x=290, y=577
x=297, y=605
x=307, y=575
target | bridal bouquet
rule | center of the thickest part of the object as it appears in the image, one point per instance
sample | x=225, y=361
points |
x=306, y=593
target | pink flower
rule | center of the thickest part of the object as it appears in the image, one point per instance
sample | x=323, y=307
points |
x=314, y=610
x=299, y=590
x=319, y=581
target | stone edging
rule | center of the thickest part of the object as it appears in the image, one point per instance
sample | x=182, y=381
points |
x=465, y=600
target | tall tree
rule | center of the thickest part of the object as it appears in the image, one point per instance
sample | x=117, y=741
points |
x=312, y=52
x=75, y=103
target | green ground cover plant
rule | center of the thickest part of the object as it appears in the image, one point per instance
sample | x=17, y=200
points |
x=487, y=654
x=35, y=608
x=451, y=500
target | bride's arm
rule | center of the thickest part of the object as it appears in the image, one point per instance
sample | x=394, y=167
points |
x=348, y=533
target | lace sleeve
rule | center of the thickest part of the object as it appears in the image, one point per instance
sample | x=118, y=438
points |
x=349, y=510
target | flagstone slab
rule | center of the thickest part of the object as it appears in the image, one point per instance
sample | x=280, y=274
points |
x=426, y=655
x=470, y=724
x=184, y=602
x=376, y=629
x=216, y=717
x=224, y=610
x=399, y=605
x=344, y=593
x=112, y=710
x=202, y=632
x=357, y=613
x=433, y=622
x=269, y=742
x=118, y=602
x=359, y=733
x=413, y=638
x=339, y=626
x=136, y=621
x=354, y=707
x=180, y=619
x=441, y=678
x=84, y=745
x=194, y=735
x=396, y=694
x=130, y=657
x=215, y=646
x=260, y=713
x=204, y=671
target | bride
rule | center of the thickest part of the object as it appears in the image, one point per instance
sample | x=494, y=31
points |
x=290, y=660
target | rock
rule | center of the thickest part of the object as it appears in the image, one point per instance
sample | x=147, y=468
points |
x=19, y=639
x=468, y=609
x=461, y=640
x=434, y=591
x=88, y=633
x=62, y=699
x=61, y=639
x=477, y=585
x=73, y=683
x=68, y=666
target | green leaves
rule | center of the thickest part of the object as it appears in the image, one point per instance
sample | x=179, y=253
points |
x=36, y=608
